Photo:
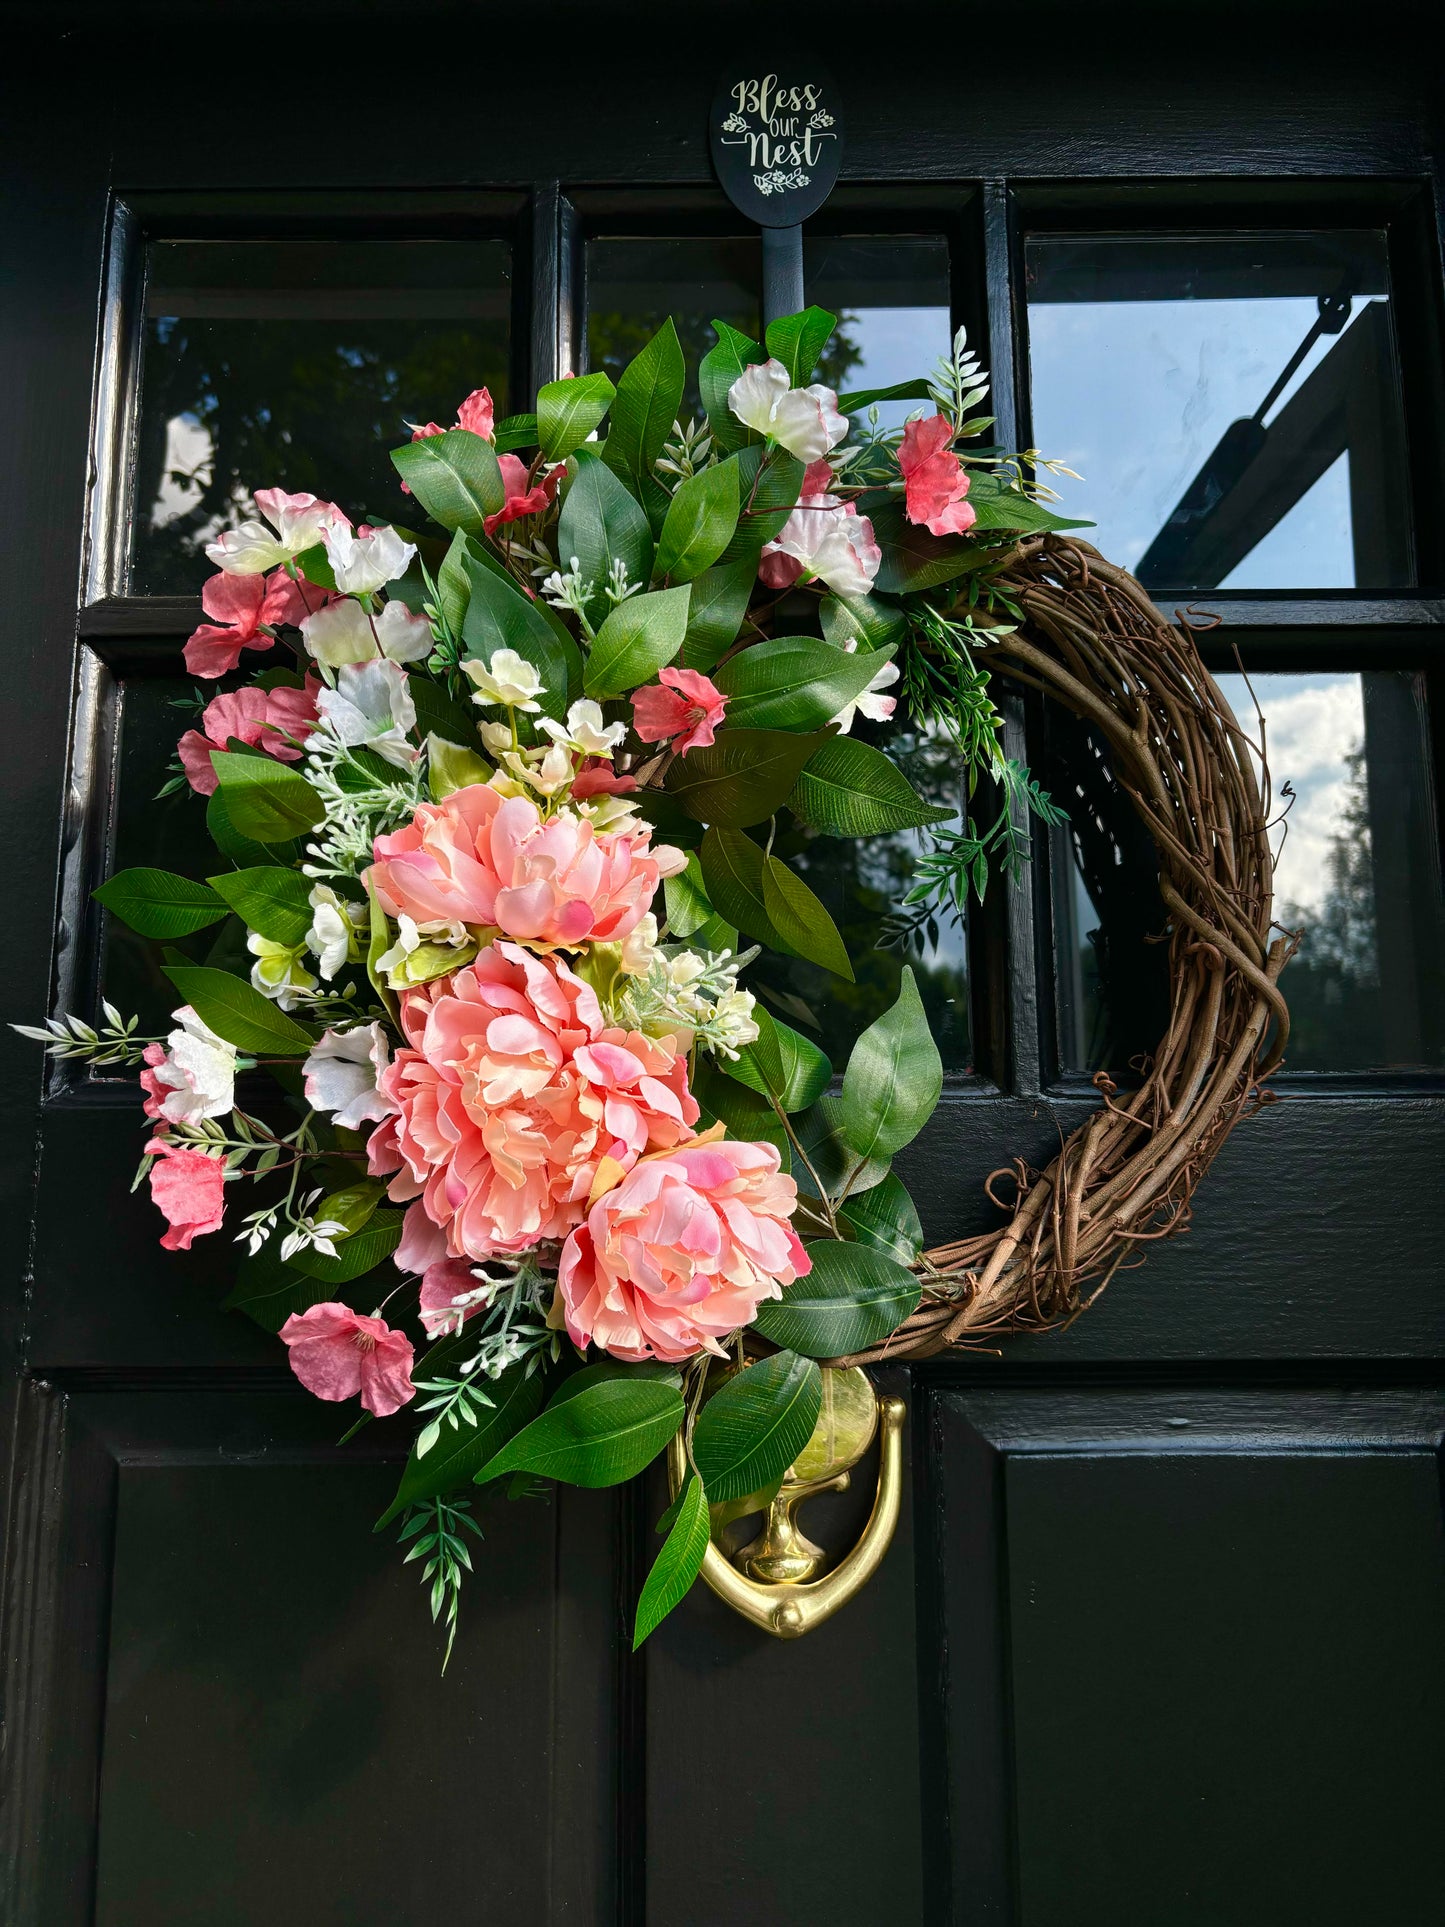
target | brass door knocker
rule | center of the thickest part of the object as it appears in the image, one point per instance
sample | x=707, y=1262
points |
x=770, y=1580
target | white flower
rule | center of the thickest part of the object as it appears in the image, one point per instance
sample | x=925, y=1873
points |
x=199, y=1071
x=344, y=631
x=584, y=730
x=296, y=523
x=508, y=680
x=497, y=737
x=605, y=812
x=371, y=707
x=366, y=560
x=278, y=972
x=342, y=1072
x=832, y=541
x=869, y=703
x=411, y=936
x=685, y=969
x=732, y=1026
x=550, y=776
x=404, y=637
x=639, y=950
x=804, y=420
x=332, y=923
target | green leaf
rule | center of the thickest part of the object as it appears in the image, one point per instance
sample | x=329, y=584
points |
x=236, y=1011
x=769, y=481
x=820, y=1133
x=461, y=1451
x=852, y=789
x=352, y=1206
x=229, y=840
x=514, y=432
x=454, y=582
x=604, y=1370
x=872, y=621
x=499, y=616
x=699, y=523
x=756, y=1424
x=997, y=506
x=678, y=1563
x=886, y=1219
x=801, y=920
x=455, y=477
x=600, y=524
x=649, y=395
x=265, y=800
x=717, y=371
x=315, y=564
x=363, y=1251
x=450, y=767
x=852, y=1297
x=641, y=636
x=605, y=1434
x=795, y=682
x=912, y=558
x=720, y=597
x=747, y=1115
x=797, y=340
x=781, y=1064
x=689, y=914
x=438, y=715
x=894, y=1078
x=378, y=942
x=850, y=403
x=159, y=904
x=568, y=411
x=732, y=869
x=742, y=777
x=274, y=902
x=269, y=1291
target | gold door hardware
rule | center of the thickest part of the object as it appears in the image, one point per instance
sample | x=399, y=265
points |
x=770, y=1580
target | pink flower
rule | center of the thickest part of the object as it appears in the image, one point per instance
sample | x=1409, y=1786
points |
x=521, y=500
x=824, y=537
x=936, y=483
x=451, y=1293
x=597, y=777
x=256, y=717
x=246, y=608
x=477, y=857
x=336, y=1354
x=681, y=705
x=187, y=1188
x=475, y=415
x=513, y=1090
x=682, y=1252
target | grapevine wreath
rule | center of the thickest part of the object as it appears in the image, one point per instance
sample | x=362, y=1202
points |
x=503, y=823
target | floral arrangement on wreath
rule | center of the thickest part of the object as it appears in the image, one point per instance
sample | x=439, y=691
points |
x=495, y=845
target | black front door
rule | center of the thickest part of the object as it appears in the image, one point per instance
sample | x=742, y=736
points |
x=1159, y=1639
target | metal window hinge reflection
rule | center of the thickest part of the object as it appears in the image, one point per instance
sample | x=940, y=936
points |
x=769, y=1581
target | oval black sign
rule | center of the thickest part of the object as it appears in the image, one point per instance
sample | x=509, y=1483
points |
x=777, y=140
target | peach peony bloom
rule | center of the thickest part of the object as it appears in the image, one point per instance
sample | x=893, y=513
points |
x=682, y=1252
x=187, y=1188
x=512, y=1092
x=936, y=483
x=261, y=718
x=681, y=707
x=479, y=857
x=336, y=1354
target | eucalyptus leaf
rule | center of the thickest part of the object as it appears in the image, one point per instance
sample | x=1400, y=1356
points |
x=852, y=1298
x=756, y=1424
x=158, y=903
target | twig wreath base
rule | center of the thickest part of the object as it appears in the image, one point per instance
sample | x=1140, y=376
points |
x=1094, y=642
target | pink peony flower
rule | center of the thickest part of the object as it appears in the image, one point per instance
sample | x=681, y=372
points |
x=512, y=1092
x=682, y=1252
x=936, y=482
x=681, y=707
x=187, y=1188
x=479, y=857
x=336, y=1354
x=256, y=717
x=245, y=609
x=521, y=500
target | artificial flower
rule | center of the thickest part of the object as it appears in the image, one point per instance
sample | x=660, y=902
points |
x=597, y=777
x=452, y=1291
x=344, y=631
x=487, y=859
x=869, y=703
x=512, y=1090
x=805, y=421
x=682, y=1252
x=508, y=681
x=342, y=1072
x=521, y=500
x=192, y=1075
x=293, y=524
x=584, y=730
x=682, y=708
x=279, y=972
x=366, y=560
x=371, y=707
x=935, y=480
x=425, y=951
x=244, y=611
x=824, y=537
x=497, y=737
x=476, y=415
x=549, y=771
x=336, y=1354
x=275, y=720
x=187, y=1188
x=334, y=924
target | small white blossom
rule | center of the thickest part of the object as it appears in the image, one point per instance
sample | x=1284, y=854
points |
x=293, y=524
x=342, y=1073
x=508, y=681
x=279, y=972
x=333, y=922
x=364, y=561
x=805, y=421
x=411, y=935
x=549, y=776
x=371, y=707
x=869, y=702
x=344, y=632
x=497, y=737
x=584, y=730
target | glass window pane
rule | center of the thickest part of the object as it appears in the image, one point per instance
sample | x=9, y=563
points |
x=891, y=298
x=297, y=364
x=1358, y=873
x=860, y=880
x=1232, y=403
x=634, y=285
